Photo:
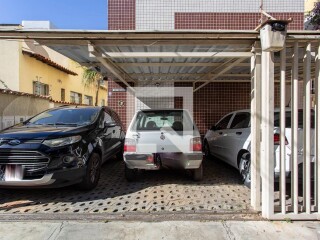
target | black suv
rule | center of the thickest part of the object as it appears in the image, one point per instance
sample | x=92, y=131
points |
x=59, y=147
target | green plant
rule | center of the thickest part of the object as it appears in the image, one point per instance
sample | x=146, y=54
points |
x=92, y=77
x=314, y=17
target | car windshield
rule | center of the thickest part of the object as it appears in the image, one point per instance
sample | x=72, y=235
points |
x=288, y=119
x=65, y=116
x=176, y=120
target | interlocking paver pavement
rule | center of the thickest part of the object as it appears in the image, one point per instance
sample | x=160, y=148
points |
x=154, y=191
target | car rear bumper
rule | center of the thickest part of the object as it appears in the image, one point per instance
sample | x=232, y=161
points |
x=169, y=160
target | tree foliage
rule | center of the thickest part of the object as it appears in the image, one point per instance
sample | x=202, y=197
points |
x=314, y=17
x=91, y=78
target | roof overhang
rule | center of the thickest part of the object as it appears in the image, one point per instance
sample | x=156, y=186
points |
x=151, y=56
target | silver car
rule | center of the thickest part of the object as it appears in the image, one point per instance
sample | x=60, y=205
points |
x=230, y=141
x=165, y=138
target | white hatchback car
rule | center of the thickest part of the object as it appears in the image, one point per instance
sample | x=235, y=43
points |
x=230, y=141
x=165, y=138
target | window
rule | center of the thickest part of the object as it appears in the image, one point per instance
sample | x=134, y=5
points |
x=63, y=95
x=40, y=89
x=88, y=100
x=79, y=116
x=114, y=116
x=223, y=123
x=176, y=120
x=105, y=118
x=241, y=120
x=75, y=97
x=288, y=119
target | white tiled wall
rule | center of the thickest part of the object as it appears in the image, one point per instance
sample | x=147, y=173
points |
x=159, y=14
x=152, y=97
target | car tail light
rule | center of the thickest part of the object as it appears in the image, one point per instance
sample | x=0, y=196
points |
x=195, y=144
x=150, y=159
x=276, y=139
x=129, y=145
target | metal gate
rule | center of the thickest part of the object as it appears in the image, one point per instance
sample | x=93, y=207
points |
x=296, y=194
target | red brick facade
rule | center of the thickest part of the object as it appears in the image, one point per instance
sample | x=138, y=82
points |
x=116, y=98
x=214, y=100
x=121, y=14
x=209, y=103
x=231, y=21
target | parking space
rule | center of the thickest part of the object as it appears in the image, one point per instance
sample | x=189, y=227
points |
x=162, y=191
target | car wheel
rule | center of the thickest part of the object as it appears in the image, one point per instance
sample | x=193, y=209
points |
x=198, y=173
x=206, y=150
x=130, y=174
x=91, y=179
x=244, y=168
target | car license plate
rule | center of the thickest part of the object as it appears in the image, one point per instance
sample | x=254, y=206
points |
x=13, y=173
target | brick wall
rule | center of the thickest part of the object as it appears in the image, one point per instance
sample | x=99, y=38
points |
x=121, y=14
x=210, y=103
x=199, y=14
x=231, y=21
x=117, y=100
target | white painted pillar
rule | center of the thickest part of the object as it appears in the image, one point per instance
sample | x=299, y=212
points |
x=282, y=130
x=267, y=128
x=294, y=127
x=255, y=126
x=317, y=126
x=306, y=129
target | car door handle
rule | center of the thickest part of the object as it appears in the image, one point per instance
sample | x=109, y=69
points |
x=136, y=135
x=238, y=133
x=220, y=133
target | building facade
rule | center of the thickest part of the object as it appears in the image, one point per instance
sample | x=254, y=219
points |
x=152, y=15
x=199, y=14
x=309, y=5
x=30, y=68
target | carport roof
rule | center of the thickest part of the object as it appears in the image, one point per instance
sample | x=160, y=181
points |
x=145, y=57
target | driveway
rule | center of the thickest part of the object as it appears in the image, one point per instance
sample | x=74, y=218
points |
x=154, y=192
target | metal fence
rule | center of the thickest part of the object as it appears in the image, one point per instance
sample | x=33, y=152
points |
x=294, y=192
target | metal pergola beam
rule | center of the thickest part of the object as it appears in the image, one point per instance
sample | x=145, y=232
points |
x=183, y=64
x=110, y=66
x=221, y=72
x=176, y=64
x=148, y=43
x=181, y=75
x=178, y=54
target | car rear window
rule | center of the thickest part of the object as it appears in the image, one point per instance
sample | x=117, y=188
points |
x=174, y=120
x=288, y=119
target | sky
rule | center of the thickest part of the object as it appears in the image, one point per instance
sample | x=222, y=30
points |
x=64, y=14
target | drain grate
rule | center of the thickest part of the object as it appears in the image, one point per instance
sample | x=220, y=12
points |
x=154, y=191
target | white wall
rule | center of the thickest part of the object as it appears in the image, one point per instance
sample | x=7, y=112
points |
x=159, y=14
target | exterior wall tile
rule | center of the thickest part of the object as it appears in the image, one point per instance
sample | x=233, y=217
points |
x=231, y=21
x=121, y=14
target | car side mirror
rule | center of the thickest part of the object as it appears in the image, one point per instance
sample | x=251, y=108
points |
x=109, y=124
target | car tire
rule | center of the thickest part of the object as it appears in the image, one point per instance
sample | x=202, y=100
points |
x=206, y=150
x=93, y=170
x=130, y=174
x=197, y=174
x=244, y=168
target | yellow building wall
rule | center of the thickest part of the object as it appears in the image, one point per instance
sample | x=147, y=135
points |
x=309, y=4
x=32, y=70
